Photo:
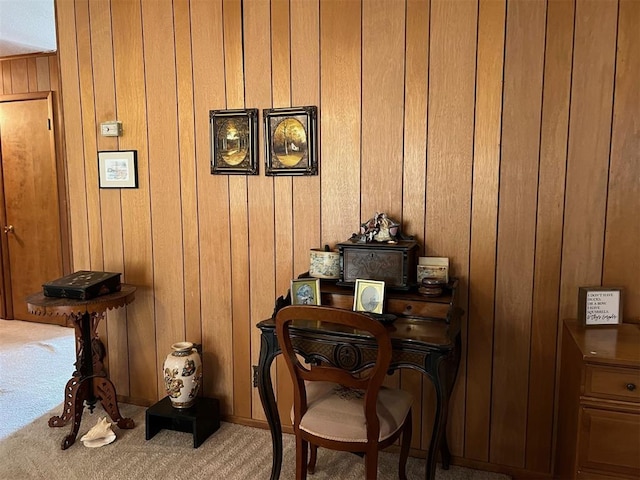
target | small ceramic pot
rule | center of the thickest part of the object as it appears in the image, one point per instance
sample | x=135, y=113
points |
x=182, y=371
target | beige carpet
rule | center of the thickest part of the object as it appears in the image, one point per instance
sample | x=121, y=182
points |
x=34, y=385
x=233, y=452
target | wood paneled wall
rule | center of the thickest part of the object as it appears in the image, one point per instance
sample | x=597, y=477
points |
x=504, y=134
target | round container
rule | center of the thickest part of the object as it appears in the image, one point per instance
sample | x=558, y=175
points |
x=323, y=264
x=182, y=370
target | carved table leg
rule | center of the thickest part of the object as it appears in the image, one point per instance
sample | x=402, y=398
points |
x=106, y=392
x=76, y=394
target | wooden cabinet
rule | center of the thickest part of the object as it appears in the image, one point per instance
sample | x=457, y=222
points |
x=598, y=435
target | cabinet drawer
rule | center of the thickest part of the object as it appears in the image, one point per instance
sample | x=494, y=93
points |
x=609, y=442
x=408, y=308
x=612, y=382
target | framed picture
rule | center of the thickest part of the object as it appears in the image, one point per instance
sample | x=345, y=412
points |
x=118, y=169
x=291, y=140
x=234, y=141
x=305, y=291
x=368, y=296
x=599, y=306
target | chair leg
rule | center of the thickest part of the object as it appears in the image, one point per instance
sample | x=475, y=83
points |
x=371, y=464
x=404, y=447
x=313, y=459
x=302, y=451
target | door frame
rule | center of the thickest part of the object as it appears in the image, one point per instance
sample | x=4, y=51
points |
x=6, y=309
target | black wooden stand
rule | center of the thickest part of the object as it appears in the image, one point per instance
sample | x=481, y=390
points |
x=202, y=419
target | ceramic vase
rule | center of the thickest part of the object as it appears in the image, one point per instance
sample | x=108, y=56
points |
x=182, y=374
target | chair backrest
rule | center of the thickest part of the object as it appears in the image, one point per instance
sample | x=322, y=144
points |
x=369, y=380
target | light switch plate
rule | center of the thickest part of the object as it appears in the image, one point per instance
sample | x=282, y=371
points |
x=111, y=129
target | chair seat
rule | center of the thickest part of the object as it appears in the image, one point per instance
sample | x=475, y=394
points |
x=336, y=412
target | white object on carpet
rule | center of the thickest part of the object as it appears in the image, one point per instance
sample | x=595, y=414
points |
x=36, y=361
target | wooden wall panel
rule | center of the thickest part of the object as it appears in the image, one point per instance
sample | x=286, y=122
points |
x=234, y=76
x=188, y=189
x=522, y=101
x=262, y=255
x=484, y=220
x=213, y=206
x=305, y=90
x=283, y=186
x=622, y=229
x=19, y=76
x=452, y=71
x=164, y=176
x=340, y=91
x=416, y=66
x=382, y=133
x=109, y=201
x=136, y=208
x=472, y=110
x=6, y=77
x=546, y=283
x=69, y=74
x=87, y=104
x=305, y=195
x=32, y=74
x=588, y=152
x=43, y=81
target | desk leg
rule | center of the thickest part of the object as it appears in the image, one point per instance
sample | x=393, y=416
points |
x=438, y=436
x=268, y=350
x=453, y=362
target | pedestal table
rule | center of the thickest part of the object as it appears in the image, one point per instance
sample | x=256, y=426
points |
x=89, y=382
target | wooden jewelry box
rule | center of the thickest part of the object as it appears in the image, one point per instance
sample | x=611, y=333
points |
x=393, y=263
x=83, y=285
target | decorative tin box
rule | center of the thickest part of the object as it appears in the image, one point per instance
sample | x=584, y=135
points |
x=393, y=263
x=83, y=285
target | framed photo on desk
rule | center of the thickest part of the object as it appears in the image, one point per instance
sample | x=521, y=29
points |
x=305, y=291
x=368, y=296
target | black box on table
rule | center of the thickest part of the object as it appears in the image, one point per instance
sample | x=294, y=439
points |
x=83, y=285
x=393, y=263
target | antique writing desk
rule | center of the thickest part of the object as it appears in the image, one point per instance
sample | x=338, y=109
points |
x=89, y=381
x=425, y=337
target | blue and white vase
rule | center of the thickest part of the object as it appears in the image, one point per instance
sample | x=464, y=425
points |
x=182, y=374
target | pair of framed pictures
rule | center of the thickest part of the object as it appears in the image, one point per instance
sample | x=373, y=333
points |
x=368, y=294
x=290, y=141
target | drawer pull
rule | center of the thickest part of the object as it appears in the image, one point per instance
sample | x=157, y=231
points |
x=631, y=387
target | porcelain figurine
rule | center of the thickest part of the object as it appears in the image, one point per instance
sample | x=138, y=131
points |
x=379, y=228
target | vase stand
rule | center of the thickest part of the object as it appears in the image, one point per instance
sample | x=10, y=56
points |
x=201, y=419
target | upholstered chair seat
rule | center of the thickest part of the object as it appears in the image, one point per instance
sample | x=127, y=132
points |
x=336, y=413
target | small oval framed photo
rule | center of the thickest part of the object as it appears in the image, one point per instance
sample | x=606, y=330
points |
x=599, y=306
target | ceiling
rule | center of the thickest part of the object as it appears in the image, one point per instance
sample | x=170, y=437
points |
x=27, y=26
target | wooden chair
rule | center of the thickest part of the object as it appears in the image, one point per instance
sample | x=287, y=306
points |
x=339, y=409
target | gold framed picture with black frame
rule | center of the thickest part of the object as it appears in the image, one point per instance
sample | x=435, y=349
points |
x=291, y=140
x=368, y=296
x=234, y=141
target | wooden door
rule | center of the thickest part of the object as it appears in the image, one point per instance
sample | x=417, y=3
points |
x=30, y=220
